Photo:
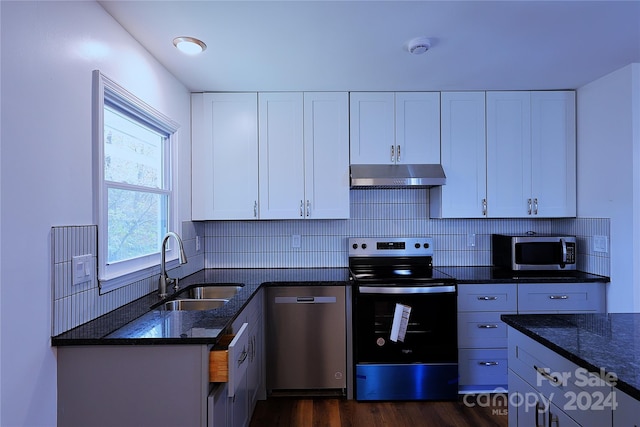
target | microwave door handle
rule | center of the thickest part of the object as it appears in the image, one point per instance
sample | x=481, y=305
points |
x=564, y=251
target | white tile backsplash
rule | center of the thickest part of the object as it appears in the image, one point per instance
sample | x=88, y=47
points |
x=267, y=244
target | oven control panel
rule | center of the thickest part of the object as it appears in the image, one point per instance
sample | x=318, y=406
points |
x=390, y=246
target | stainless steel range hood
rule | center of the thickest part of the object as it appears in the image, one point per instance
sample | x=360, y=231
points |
x=397, y=176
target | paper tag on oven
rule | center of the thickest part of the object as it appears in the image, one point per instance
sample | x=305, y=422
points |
x=400, y=322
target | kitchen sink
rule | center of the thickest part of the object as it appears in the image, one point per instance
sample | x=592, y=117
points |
x=214, y=291
x=194, y=304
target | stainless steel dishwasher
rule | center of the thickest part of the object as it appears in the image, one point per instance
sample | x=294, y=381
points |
x=306, y=340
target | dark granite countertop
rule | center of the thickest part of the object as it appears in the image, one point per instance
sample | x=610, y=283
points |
x=137, y=323
x=591, y=341
x=488, y=274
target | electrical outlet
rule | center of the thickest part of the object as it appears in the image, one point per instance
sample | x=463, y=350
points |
x=600, y=244
x=471, y=239
x=295, y=241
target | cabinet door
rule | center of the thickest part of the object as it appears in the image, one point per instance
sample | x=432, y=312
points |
x=463, y=153
x=627, y=411
x=508, y=154
x=527, y=407
x=281, y=168
x=417, y=125
x=553, y=153
x=326, y=155
x=372, y=128
x=217, y=407
x=224, y=156
x=255, y=383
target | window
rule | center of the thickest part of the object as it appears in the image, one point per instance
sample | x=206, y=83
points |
x=135, y=199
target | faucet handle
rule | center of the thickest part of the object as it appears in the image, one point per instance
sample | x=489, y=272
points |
x=175, y=284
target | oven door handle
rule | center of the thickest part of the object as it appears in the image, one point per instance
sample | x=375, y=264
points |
x=437, y=289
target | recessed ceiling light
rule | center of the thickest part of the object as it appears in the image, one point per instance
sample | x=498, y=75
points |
x=418, y=45
x=189, y=45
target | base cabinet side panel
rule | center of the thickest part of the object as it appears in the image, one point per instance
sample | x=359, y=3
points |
x=132, y=386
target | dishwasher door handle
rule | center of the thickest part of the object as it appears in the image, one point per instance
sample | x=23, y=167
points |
x=305, y=300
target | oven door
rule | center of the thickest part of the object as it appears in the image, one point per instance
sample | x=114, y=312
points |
x=405, y=342
x=405, y=324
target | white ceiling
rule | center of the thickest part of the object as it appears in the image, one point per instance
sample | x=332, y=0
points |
x=361, y=45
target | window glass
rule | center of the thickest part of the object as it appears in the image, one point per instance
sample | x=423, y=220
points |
x=135, y=199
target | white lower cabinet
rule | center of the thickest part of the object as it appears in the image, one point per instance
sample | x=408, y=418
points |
x=482, y=336
x=627, y=411
x=545, y=389
x=233, y=406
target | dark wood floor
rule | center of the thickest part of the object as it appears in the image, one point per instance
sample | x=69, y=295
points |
x=336, y=412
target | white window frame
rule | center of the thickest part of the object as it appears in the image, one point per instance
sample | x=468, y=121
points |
x=115, y=275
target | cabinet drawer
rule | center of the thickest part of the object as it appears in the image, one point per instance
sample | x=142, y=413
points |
x=557, y=297
x=581, y=395
x=483, y=366
x=490, y=297
x=482, y=330
x=229, y=365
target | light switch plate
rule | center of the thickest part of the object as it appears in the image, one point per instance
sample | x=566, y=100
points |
x=82, y=269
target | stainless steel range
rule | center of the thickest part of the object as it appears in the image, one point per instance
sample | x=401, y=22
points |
x=404, y=321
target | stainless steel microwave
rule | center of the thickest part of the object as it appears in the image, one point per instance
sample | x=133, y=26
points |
x=533, y=252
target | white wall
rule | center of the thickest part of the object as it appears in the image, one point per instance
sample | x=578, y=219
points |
x=49, y=50
x=608, y=174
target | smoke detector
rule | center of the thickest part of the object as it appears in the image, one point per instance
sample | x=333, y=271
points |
x=418, y=45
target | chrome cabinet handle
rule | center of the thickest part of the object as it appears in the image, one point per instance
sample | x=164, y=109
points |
x=301, y=208
x=545, y=374
x=530, y=207
x=487, y=326
x=488, y=363
x=398, y=154
x=243, y=357
x=537, y=412
x=393, y=154
x=484, y=207
x=558, y=296
x=255, y=209
x=487, y=298
x=308, y=207
x=535, y=206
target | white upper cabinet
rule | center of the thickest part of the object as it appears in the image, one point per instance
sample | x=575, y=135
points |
x=389, y=128
x=281, y=155
x=304, y=155
x=531, y=154
x=508, y=153
x=511, y=155
x=224, y=156
x=326, y=154
x=553, y=153
x=463, y=146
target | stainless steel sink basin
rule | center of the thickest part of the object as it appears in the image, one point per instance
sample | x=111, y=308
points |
x=194, y=304
x=214, y=291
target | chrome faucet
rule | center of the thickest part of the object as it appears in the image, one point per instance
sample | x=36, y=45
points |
x=164, y=278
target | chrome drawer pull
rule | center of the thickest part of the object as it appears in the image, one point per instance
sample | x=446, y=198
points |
x=558, y=296
x=544, y=373
x=486, y=298
x=488, y=363
x=487, y=326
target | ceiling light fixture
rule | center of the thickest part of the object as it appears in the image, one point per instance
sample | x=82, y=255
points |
x=418, y=45
x=189, y=45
